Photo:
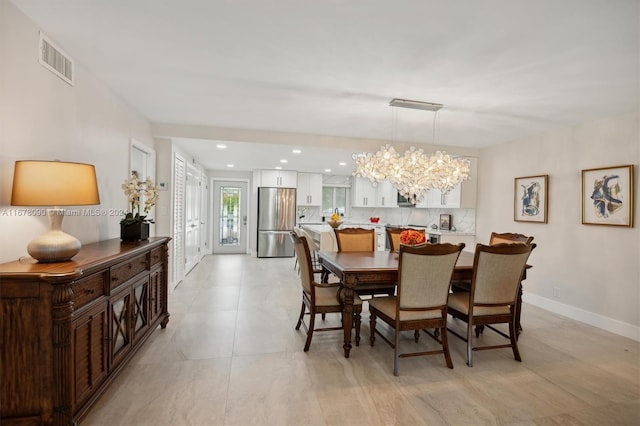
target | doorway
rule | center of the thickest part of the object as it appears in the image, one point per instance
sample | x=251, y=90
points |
x=193, y=218
x=229, y=207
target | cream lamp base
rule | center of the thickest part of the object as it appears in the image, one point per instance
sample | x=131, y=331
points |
x=54, y=245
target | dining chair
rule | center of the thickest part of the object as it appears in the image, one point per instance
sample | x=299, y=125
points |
x=497, y=271
x=296, y=230
x=496, y=238
x=508, y=238
x=394, y=236
x=318, y=298
x=424, y=278
x=314, y=247
x=355, y=239
x=362, y=240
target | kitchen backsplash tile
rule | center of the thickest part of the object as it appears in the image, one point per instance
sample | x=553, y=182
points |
x=463, y=219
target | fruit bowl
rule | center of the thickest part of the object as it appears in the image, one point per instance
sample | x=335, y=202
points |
x=334, y=223
x=374, y=219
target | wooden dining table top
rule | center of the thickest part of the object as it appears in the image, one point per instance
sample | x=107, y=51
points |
x=377, y=261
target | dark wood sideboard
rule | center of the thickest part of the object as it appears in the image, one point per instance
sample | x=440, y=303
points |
x=68, y=328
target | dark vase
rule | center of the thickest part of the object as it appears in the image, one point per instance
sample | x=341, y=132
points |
x=134, y=231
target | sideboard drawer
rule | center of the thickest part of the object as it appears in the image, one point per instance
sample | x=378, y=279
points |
x=156, y=256
x=89, y=289
x=122, y=272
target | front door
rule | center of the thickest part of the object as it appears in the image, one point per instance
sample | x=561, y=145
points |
x=229, y=217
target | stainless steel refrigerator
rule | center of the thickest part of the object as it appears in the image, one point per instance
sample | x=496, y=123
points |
x=276, y=219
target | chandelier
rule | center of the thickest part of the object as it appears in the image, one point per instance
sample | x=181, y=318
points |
x=414, y=173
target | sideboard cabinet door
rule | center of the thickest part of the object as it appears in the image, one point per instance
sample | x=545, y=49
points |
x=90, y=334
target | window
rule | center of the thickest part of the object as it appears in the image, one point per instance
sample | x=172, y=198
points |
x=334, y=197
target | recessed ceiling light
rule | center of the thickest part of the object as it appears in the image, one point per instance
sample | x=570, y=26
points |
x=342, y=163
x=296, y=151
x=221, y=146
x=278, y=168
x=284, y=161
x=327, y=170
x=230, y=165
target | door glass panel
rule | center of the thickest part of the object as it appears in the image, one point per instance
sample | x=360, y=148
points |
x=140, y=308
x=229, y=216
x=119, y=316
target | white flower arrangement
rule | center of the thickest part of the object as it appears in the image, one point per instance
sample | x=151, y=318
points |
x=136, y=189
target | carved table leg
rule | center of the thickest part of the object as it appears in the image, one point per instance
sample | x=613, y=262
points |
x=346, y=295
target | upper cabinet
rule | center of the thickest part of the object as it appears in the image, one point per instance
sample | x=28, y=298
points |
x=279, y=178
x=309, y=191
x=462, y=196
x=436, y=199
x=386, y=195
x=364, y=194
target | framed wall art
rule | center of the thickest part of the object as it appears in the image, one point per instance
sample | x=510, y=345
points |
x=445, y=222
x=607, y=196
x=530, y=199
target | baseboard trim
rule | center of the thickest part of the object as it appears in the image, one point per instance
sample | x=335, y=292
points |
x=609, y=324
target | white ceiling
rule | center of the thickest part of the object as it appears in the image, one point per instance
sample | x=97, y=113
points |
x=504, y=69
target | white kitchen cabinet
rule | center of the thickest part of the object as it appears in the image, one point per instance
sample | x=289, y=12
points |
x=363, y=194
x=309, y=192
x=279, y=178
x=462, y=196
x=381, y=238
x=436, y=199
x=386, y=195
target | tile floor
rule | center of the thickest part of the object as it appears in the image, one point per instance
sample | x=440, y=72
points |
x=230, y=356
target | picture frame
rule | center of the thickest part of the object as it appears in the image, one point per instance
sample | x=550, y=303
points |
x=607, y=196
x=445, y=222
x=531, y=199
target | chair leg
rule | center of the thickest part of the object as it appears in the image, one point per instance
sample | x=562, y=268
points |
x=357, y=315
x=396, y=353
x=372, y=327
x=445, y=348
x=514, y=340
x=323, y=316
x=301, y=317
x=416, y=335
x=312, y=321
x=469, y=343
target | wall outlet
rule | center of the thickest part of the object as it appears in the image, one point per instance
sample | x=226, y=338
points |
x=556, y=292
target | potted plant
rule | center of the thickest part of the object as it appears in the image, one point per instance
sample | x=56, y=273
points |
x=142, y=196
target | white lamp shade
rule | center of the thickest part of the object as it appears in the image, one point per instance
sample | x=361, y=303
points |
x=54, y=183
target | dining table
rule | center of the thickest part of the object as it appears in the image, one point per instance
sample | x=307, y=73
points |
x=373, y=267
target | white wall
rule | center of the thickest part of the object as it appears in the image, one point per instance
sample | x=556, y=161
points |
x=596, y=269
x=44, y=118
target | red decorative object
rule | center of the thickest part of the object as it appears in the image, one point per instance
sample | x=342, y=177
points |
x=411, y=237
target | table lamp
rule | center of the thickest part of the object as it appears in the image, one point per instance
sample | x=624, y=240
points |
x=54, y=183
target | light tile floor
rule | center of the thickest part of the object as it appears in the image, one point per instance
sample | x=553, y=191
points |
x=230, y=356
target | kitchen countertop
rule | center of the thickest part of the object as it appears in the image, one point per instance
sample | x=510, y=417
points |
x=323, y=227
x=442, y=232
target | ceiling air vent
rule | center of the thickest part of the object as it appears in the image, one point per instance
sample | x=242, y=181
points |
x=55, y=60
